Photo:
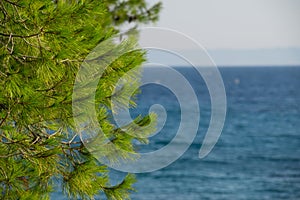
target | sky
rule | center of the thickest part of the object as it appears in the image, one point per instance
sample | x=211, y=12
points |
x=238, y=30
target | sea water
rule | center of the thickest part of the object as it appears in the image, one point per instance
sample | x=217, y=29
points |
x=258, y=153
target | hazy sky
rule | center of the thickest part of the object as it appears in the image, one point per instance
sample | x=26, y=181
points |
x=235, y=24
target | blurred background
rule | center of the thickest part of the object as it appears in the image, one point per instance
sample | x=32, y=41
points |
x=256, y=45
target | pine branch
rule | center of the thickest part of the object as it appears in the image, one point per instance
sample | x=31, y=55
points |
x=19, y=36
x=10, y=155
x=13, y=3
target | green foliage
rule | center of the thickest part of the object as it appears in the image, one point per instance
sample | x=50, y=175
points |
x=43, y=44
x=133, y=11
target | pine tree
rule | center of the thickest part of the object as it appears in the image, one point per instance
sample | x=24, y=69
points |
x=43, y=45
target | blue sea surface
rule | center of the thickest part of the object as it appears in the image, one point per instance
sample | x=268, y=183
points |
x=258, y=153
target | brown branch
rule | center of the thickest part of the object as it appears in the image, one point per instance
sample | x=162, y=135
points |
x=19, y=36
x=13, y=3
x=10, y=155
x=6, y=116
x=27, y=36
x=52, y=87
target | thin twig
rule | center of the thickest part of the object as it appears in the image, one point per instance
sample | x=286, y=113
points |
x=10, y=155
x=13, y=3
x=6, y=116
x=19, y=36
